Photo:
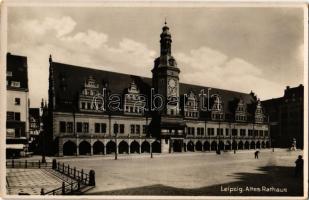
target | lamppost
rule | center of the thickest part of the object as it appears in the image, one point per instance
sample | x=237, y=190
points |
x=116, y=133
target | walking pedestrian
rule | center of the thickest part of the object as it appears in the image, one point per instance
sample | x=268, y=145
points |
x=299, y=166
x=256, y=154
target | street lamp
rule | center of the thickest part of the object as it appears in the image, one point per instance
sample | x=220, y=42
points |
x=116, y=133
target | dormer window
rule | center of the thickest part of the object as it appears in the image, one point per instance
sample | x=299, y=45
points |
x=217, y=112
x=240, y=113
x=259, y=116
x=133, y=103
x=190, y=109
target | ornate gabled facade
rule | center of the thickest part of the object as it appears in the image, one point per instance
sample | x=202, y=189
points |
x=158, y=114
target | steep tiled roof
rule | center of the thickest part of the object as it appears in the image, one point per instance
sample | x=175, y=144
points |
x=117, y=83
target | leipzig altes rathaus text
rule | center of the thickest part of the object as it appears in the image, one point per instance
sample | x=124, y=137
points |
x=100, y=112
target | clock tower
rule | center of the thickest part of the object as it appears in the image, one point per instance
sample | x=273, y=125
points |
x=165, y=75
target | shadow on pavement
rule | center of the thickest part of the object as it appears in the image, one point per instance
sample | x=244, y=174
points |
x=271, y=177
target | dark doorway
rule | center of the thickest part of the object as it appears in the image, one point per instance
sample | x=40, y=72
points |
x=110, y=147
x=69, y=148
x=84, y=148
x=198, y=146
x=206, y=146
x=247, y=146
x=214, y=146
x=156, y=147
x=177, y=145
x=98, y=147
x=252, y=145
x=123, y=147
x=145, y=147
x=134, y=147
x=190, y=146
x=240, y=145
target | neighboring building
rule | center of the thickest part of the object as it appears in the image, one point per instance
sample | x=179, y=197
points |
x=83, y=123
x=34, y=129
x=17, y=124
x=286, y=116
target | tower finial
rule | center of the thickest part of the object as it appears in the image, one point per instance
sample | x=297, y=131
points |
x=165, y=21
x=50, y=58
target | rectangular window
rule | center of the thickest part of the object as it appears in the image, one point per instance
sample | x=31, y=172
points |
x=144, y=129
x=62, y=127
x=226, y=131
x=202, y=131
x=103, y=128
x=261, y=133
x=70, y=127
x=234, y=132
x=132, y=129
x=211, y=131
x=242, y=132
x=83, y=105
x=86, y=127
x=138, y=129
x=219, y=131
x=250, y=132
x=15, y=84
x=10, y=116
x=121, y=128
x=256, y=132
x=97, y=128
x=17, y=101
x=9, y=73
x=79, y=127
x=17, y=116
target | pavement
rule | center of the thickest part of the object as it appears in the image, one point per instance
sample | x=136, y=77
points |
x=195, y=173
x=31, y=181
x=204, y=174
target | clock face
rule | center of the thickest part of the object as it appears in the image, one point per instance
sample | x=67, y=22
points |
x=172, y=87
x=172, y=83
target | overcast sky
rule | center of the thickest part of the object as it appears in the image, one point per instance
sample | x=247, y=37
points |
x=240, y=49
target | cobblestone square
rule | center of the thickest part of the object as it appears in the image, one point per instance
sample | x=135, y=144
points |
x=203, y=174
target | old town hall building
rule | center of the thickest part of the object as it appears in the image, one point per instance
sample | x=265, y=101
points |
x=102, y=112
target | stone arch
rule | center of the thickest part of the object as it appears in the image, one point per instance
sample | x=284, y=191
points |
x=69, y=148
x=240, y=145
x=190, y=146
x=214, y=146
x=145, y=147
x=247, y=145
x=263, y=144
x=110, y=147
x=221, y=145
x=84, y=148
x=206, y=146
x=123, y=147
x=98, y=147
x=156, y=147
x=177, y=146
x=258, y=145
x=252, y=145
x=134, y=147
x=267, y=144
x=198, y=146
x=228, y=145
